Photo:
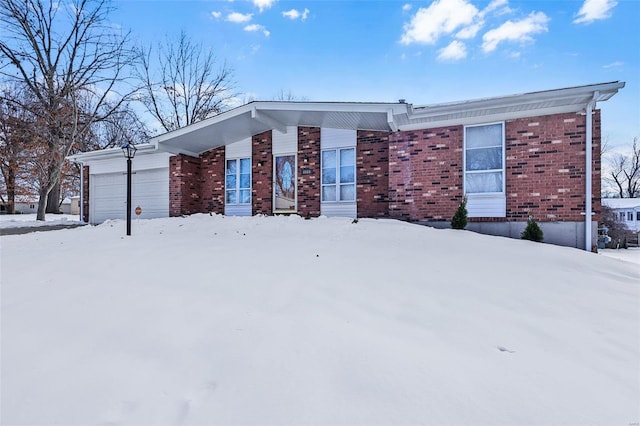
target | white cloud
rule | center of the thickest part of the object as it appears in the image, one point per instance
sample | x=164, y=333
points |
x=239, y=18
x=406, y=7
x=216, y=15
x=455, y=51
x=472, y=30
x=257, y=27
x=294, y=14
x=614, y=64
x=263, y=4
x=593, y=10
x=495, y=4
x=520, y=31
x=441, y=17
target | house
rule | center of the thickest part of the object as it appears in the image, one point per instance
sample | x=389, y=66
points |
x=627, y=211
x=26, y=204
x=70, y=205
x=533, y=154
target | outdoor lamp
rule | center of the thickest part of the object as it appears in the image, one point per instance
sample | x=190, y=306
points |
x=129, y=151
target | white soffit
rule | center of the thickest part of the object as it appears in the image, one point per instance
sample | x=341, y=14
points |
x=258, y=117
x=572, y=99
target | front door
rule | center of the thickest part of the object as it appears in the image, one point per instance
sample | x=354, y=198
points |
x=284, y=186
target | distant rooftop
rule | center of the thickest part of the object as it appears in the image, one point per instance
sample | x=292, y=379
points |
x=621, y=203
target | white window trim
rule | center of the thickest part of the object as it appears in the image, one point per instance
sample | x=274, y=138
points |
x=464, y=162
x=337, y=184
x=237, y=188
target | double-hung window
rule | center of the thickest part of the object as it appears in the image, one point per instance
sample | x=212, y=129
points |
x=339, y=175
x=484, y=159
x=238, y=181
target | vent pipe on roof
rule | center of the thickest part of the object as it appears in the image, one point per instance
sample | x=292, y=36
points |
x=402, y=101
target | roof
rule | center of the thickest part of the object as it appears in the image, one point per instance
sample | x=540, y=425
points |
x=259, y=116
x=622, y=203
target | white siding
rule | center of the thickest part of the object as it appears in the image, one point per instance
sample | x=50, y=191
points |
x=337, y=138
x=285, y=143
x=486, y=205
x=237, y=209
x=339, y=209
x=240, y=149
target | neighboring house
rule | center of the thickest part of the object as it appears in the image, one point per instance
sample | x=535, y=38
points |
x=627, y=211
x=25, y=204
x=70, y=205
x=533, y=154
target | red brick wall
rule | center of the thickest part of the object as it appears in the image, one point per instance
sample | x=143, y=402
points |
x=545, y=173
x=425, y=173
x=262, y=173
x=184, y=185
x=372, y=171
x=85, y=194
x=212, y=175
x=309, y=185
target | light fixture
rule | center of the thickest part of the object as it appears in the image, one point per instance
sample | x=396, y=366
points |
x=129, y=151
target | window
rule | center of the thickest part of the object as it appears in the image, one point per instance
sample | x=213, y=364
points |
x=637, y=215
x=238, y=181
x=339, y=175
x=629, y=216
x=484, y=164
x=621, y=215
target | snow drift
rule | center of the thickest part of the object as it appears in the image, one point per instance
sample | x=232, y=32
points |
x=280, y=320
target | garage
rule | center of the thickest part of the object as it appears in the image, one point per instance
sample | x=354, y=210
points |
x=107, y=184
x=108, y=195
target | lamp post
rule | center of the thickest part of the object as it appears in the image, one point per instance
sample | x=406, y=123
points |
x=129, y=151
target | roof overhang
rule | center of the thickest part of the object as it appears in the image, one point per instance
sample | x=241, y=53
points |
x=260, y=116
x=571, y=99
x=105, y=154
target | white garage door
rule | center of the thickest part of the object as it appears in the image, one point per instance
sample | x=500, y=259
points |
x=108, y=195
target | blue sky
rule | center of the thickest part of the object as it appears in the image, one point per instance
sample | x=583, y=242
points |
x=422, y=51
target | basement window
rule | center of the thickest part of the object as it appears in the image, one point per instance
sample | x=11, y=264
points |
x=238, y=181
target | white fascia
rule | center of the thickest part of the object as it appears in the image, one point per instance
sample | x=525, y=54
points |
x=572, y=99
x=103, y=154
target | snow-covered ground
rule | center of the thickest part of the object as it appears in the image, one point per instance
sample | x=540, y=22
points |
x=628, y=255
x=29, y=220
x=280, y=320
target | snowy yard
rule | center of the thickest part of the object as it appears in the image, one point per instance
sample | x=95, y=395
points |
x=280, y=320
x=29, y=220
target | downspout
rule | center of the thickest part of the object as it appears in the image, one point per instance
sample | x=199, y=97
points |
x=589, y=172
x=81, y=192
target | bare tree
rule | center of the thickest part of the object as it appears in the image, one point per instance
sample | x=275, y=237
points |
x=15, y=138
x=189, y=86
x=288, y=96
x=624, y=173
x=73, y=63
